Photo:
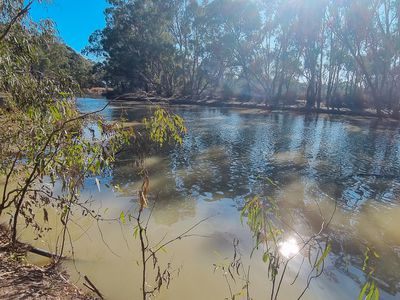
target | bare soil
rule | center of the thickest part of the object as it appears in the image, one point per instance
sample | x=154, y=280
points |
x=20, y=280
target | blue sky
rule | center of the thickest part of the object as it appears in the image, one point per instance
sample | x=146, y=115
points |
x=75, y=19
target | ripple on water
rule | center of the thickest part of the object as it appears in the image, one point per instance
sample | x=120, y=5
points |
x=316, y=161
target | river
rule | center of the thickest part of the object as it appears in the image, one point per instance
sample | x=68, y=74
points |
x=227, y=157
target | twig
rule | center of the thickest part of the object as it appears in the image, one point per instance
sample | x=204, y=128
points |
x=92, y=287
x=179, y=237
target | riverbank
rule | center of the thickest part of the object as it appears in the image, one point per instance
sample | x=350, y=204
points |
x=298, y=107
x=21, y=280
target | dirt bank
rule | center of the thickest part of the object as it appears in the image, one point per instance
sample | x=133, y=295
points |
x=299, y=106
x=20, y=280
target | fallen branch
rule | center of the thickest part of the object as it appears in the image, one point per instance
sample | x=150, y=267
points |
x=44, y=253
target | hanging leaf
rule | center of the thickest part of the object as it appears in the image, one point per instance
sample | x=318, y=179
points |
x=122, y=217
x=376, y=294
x=266, y=257
x=371, y=292
x=323, y=256
x=363, y=291
x=135, y=231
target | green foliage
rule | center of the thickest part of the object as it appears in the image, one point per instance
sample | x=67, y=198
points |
x=122, y=217
x=324, y=51
x=259, y=219
x=58, y=58
x=45, y=140
x=21, y=77
x=265, y=233
x=137, y=45
x=52, y=143
x=324, y=255
x=263, y=219
x=164, y=126
x=369, y=290
x=36, y=68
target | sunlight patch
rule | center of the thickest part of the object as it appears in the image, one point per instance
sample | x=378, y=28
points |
x=289, y=248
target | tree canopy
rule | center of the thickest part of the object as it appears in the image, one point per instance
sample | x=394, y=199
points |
x=341, y=53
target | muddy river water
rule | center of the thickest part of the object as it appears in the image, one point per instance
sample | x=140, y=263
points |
x=227, y=157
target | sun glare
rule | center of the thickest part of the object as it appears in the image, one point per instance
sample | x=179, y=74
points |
x=289, y=248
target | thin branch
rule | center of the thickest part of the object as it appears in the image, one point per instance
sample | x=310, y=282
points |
x=179, y=237
x=21, y=13
x=92, y=287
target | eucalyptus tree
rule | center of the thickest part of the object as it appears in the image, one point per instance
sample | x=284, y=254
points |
x=310, y=37
x=41, y=131
x=287, y=62
x=234, y=27
x=45, y=141
x=189, y=29
x=369, y=31
x=337, y=52
x=385, y=51
x=137, y=45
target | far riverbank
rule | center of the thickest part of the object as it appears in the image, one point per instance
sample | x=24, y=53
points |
x=298, y=107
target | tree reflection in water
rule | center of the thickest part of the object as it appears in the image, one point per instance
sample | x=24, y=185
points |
x=315, y=161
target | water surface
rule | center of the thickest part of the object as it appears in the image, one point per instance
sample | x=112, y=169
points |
x=229, y=156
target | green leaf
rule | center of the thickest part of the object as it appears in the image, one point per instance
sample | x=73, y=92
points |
x=376, y=294
x=63, y=94
x=324, y=255
x=135, y=231
x=55, y=113
x=363, y=291
x=265, y=257
x=371, y=291
x=366, y=259
x=269, y=180
x=122, y=217
x=65, y=211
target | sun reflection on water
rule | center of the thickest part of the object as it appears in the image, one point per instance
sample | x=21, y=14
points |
x=289, y=248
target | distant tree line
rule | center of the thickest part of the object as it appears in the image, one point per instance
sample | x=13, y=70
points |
x=344, y=53
x=31, y=55
x=58, y=56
